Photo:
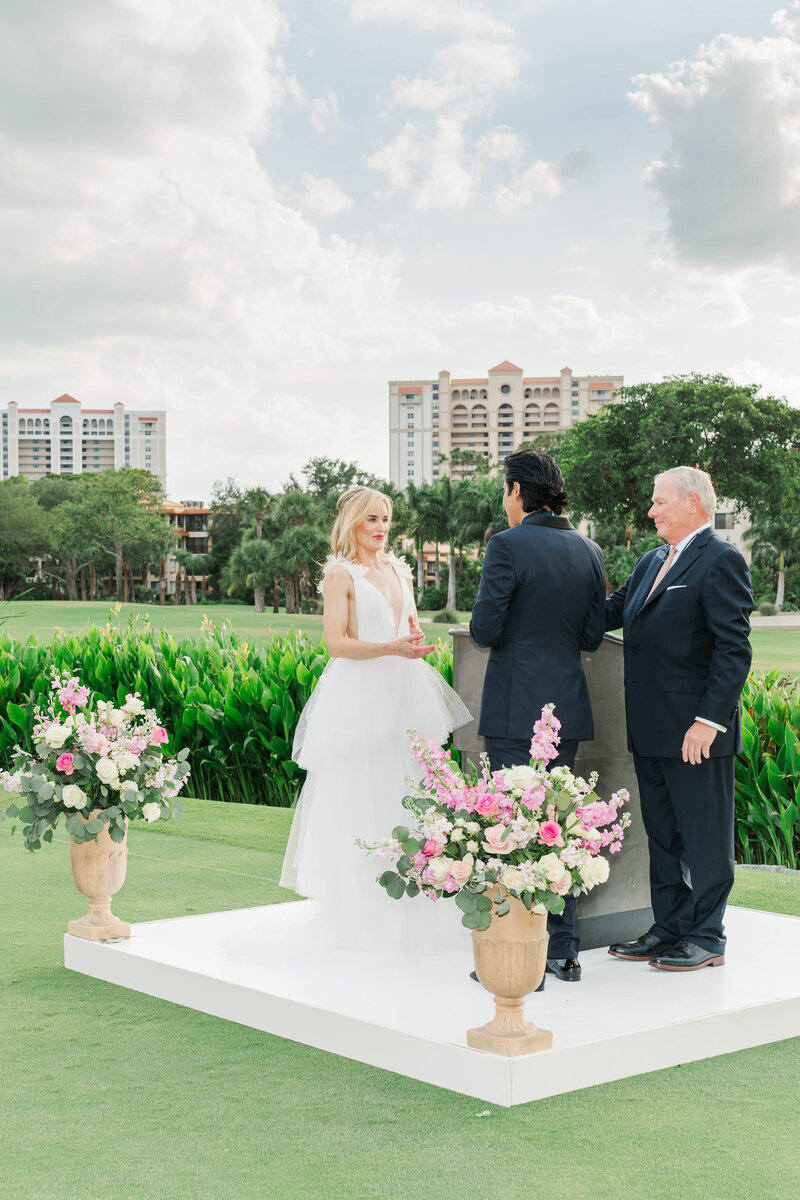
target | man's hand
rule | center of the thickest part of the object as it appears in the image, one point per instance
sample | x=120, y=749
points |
x=697, y=742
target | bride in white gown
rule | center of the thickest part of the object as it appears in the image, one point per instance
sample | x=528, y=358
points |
x=352, y=739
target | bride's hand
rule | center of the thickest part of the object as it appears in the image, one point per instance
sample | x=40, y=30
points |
x=415, y=631
x=411, y=646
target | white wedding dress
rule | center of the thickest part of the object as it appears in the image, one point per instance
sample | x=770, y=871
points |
x=352, y=739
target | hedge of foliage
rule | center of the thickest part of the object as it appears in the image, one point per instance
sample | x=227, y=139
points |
x=768, y=773
x=234, y=704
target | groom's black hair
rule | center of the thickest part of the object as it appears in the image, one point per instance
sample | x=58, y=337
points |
x=541, y=483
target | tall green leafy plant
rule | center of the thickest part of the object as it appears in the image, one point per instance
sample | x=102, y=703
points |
x=768, y=773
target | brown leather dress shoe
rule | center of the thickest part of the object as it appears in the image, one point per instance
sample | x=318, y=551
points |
x=687, y=956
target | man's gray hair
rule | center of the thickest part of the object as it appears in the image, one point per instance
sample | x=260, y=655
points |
x=690, y=479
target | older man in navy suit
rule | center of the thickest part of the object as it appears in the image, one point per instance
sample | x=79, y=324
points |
x=684, y=613
x=541, y=601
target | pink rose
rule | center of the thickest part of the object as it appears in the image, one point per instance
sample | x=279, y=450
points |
x=432, y=849
x=158, y=736
x=562, y=884
x=64, y=763
x=550, y=834
x=461, y=869
x=487, y=804
x=496, y=842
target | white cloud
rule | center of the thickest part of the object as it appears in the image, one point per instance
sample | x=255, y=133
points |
x=500, y=144
x=568, y=320
x=773, y=382
x=323, y=197
x=455, y=15
x=730, y=181
x=147, y=257
x=540, y=179
x=440, y=162
x=465, y=78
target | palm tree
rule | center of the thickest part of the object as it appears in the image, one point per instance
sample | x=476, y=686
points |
x=193, y=565
x=775, y=540
x=255, y=503
x=420, y=527
x=253, y=564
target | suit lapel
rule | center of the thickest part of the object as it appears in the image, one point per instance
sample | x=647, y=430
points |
x=685, y=560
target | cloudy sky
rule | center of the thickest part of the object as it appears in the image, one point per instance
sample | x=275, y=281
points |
x=253, y=214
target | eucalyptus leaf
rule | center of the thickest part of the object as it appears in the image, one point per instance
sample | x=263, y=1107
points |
x=476, y=920
x=396, y=888
x=467, y=901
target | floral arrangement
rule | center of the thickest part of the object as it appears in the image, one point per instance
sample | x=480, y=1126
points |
x=95, y=763
x=536, y=832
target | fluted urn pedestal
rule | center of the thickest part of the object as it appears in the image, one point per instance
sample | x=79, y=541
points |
x=510, y=959
x=98, y=868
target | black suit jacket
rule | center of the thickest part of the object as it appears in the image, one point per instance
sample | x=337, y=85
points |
x=541, y=601
x=687, y=648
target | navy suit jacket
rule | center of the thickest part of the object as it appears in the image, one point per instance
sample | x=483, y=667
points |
x=541, y=601
x=687, y=648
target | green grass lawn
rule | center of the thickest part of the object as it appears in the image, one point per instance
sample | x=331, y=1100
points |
x=778, y=647
x=112, y=1095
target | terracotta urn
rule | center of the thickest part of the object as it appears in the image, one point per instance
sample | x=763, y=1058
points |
x=510, y=958
x=98, y=868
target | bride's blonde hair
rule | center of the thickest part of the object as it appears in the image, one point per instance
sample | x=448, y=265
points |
x=354, y=506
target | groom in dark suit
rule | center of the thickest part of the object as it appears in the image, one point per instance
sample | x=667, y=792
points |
x=541, y=601
x=685, y=613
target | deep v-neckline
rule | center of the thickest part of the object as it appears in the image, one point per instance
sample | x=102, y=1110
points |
x=395, y=624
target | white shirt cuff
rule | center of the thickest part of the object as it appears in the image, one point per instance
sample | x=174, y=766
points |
x=713, y=724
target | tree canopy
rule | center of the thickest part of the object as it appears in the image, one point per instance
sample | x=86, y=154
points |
x=749, y=445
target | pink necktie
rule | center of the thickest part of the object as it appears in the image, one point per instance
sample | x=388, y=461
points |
x=665, y=566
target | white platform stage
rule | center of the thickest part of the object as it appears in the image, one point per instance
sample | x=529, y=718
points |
x=623, y=1019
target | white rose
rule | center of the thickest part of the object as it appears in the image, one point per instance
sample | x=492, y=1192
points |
x=134, y=706
x=128, y=785
x=438, y=867
x=117, y=718
x=472, y=827
x=73, y=797
x=592, y=835
x=107, y=771
x=151, y=812
x=552, y=867
x=595, y=871
x=57, y=734
x=519, y=777
x=457, y=835
x=126, y=761
x=473, y=847
x=512, y=879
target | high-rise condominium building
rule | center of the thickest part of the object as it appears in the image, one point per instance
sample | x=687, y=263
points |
x=68, y=439
x=431, y=417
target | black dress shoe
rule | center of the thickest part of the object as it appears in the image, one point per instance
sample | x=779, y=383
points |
x=474, y=976
x=568, y=969
x=686, y=956
x=642, y=950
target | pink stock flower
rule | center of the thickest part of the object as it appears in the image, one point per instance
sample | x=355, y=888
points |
x=158, y=736
x=420, y=861
x=550, y=834
x=487, y=804
x=450, y=884
x=64, y=763
x=432, y=849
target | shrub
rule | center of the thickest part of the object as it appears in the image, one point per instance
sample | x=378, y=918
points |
x=446, y=617
x=768, y=773
x=233, y=705
x=767, y=608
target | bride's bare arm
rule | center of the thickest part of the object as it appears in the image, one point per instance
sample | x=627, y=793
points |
x=339, y=602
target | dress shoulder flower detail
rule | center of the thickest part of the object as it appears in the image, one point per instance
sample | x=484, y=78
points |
x=401, y=566
x=339, y=560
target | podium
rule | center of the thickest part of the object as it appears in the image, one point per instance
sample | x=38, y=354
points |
x=619, y=910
